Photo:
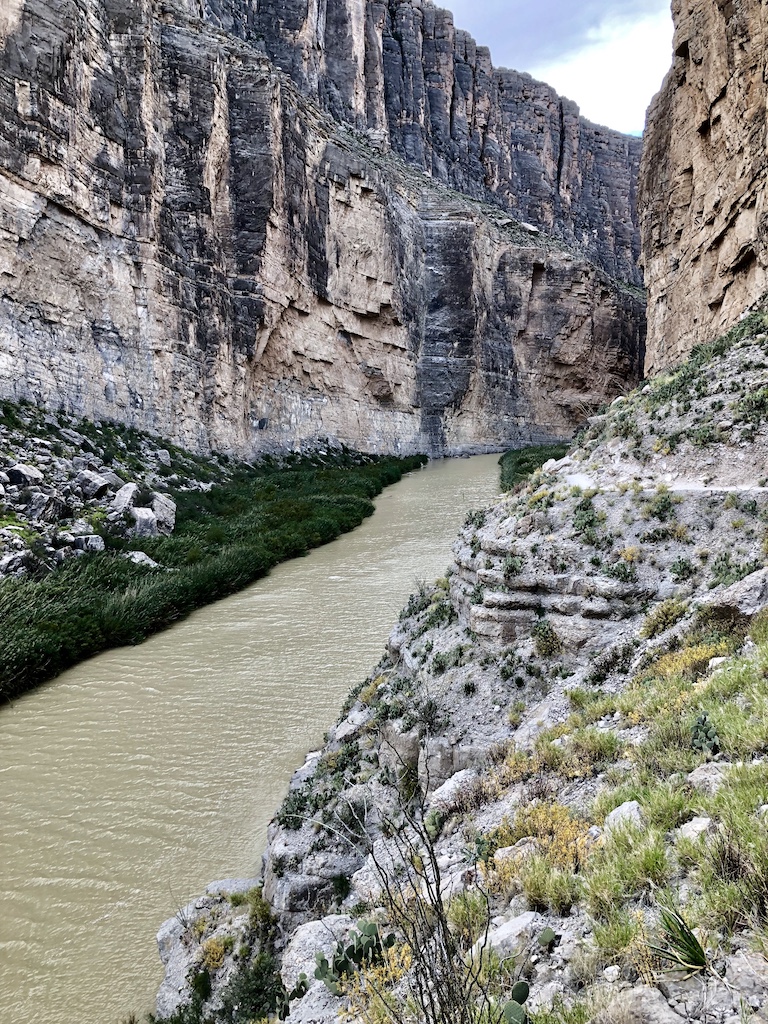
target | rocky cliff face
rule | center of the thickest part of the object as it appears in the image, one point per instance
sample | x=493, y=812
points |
x=703, y=180
x=198, y=243
x=403, y=71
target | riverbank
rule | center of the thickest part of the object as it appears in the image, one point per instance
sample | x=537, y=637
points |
x=112, y=535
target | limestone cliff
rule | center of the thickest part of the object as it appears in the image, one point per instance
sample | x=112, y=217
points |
x=198, y=243
x=704, y=191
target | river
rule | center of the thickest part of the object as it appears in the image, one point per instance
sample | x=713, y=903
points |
x=133, y=780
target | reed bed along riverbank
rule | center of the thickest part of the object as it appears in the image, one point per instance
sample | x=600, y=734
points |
x=252, y=518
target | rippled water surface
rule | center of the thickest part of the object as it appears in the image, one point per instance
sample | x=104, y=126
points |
x=132, y=781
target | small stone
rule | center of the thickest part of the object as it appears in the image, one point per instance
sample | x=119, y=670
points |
x=612, y=974
x=629, y=813
x=708, y=778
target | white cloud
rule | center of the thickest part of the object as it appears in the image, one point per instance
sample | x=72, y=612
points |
x=615, y=75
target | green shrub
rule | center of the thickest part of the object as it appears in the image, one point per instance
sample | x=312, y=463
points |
x=547, y=641
x=663, y=617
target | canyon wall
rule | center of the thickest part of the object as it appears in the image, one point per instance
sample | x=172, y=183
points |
x=199, y=243
x=704, y=188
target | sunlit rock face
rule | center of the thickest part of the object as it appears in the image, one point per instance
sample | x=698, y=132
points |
x=237, y=256
x=704, y=189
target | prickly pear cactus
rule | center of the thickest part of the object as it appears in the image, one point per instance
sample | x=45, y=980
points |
x=704, y=736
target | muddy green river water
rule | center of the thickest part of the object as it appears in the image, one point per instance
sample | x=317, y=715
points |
x=132, y=781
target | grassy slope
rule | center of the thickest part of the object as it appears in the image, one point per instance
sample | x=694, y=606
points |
x=225, y=539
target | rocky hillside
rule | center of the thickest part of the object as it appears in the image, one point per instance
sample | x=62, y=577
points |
x=557, y=773
x=703, y=183
x=244, y=226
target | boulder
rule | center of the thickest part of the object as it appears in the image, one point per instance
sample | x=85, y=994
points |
x=523, y=850
x=165, y=513
x=124, y=498
x=10, y=563
x=114, y=481
x=163, y=456
x=309, y=939
x=747, y=597
x=140, y=558
x=92, y=543
x=444, y=797
x=694, y=828
x=640, y=1005
x=91, y=484
x=748, y=974
x=144, y=522
x=24, y=476
x=708, y=778
x=49, y=508
x=510, y=937
x=319, y=1006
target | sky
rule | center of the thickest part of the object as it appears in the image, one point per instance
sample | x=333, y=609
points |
x=610, y=56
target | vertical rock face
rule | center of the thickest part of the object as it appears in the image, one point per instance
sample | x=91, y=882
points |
x=194, y=241
x=401, y=68
x=704, y=188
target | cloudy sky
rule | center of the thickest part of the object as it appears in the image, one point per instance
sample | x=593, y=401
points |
x=610, y=56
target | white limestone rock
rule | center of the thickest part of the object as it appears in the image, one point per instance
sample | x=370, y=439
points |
x=308, y=940
x=144, y=522
x=629, y=813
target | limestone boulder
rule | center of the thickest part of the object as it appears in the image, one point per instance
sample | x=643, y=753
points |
x=164, y=509
x=125, y=498
x=144, y=522
x=308, y=940
x=640, y=1005
x=91, y=485
x=21, y=475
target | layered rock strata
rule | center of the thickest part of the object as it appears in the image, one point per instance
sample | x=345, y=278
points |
x=703, y=185
x=190, y=244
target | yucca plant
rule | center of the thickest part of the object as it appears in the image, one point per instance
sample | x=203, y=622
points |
x=681, y=948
